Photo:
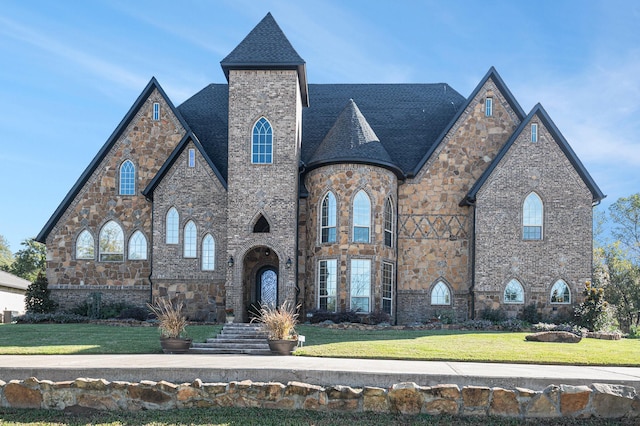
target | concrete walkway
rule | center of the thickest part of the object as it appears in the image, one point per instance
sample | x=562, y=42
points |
x=318, y=371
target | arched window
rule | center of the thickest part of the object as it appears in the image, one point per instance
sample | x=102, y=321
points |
x=532, y=214
x=111, y=243
x=190, y=237
x=262, y=226
x=513, y=292
x=328, y=219
x=361, y=217
x=560, y=293
x=388, y=223
x=440, y=294
x=85, y=246
x=262, y=143
x=127, y=178
x=208, y=253
x=137, y=246
x=172, y=226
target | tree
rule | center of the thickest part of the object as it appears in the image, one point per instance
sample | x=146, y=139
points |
x=625, y=213
x=37, y=299
x=30, y=261
x=6, y=257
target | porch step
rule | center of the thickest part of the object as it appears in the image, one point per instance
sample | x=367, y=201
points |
x=235, y=339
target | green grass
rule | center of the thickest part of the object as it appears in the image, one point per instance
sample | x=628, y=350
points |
x=256, y=416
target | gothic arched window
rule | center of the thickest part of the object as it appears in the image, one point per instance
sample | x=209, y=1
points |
x=262, y=143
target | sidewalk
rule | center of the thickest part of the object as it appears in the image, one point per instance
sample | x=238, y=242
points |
x=318, y=371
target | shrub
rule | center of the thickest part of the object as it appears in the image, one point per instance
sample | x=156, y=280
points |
x=319, y=315
x=135, y=312
x=95, y=309
x=378, y=317
x=493, y=315
x=591, y=314
x=481, y=324
x=37, y=298
x=446, y=316
x=634, y=332
x=530, y=314
x=57, y=318
x=513, y=325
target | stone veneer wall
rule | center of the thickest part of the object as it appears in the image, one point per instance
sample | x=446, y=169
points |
x=147, y=144
x=565, y=249
x=345, y=181
x=578, y=402
x=198, y=195
x=434, y=232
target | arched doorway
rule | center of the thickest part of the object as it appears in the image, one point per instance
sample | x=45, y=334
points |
x=260, y=276
x=267, y=286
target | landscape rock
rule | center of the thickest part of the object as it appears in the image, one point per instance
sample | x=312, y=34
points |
x=554, y=336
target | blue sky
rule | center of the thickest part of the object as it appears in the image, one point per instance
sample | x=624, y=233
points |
x=70, y=70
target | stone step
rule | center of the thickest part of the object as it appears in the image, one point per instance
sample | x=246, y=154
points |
x=221, y=340
x=232, y=345
x=225, y=351
x=235, y=339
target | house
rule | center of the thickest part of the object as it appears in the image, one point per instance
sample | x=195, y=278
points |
x=12, y=292
x=408, y=199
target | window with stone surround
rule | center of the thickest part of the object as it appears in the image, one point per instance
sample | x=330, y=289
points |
x=156, y=111
x=560, y=293
x=262, y=142
x=440, y=294
x=208, y=253
x=172, y=226
x=192, y=158
x=327, y=284
x=532, y=217
x=127, y=178
x=514, y=292
x=190, y=237
x=137, y=246
x=387, y=287
x=328, y=219
x=85, y=246
x=361, y=217
x=488, y=107
x=360, y=285
x=388, y=223
x=534, y=132
x=111, y=243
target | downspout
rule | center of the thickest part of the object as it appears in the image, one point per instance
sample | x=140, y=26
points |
x=151, y=255
x=473, y=260
x=395, y=270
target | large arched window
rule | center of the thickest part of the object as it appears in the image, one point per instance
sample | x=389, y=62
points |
x=560, y=293
x=388, y=223
x=137, y=246
x=85, y=246
x=440, y=294
x=532, y=217
x=127, y=178
x=513, y=292
x=208, y=253
x=361, y=217
x=262, y=143
x=328, y=219
x=172, y=226
x=190, y=237
x=111, y=243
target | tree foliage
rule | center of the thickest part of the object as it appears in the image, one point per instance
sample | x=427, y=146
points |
x=37, y=299
x=30, y=261
x=625, y=214
x=6, y=257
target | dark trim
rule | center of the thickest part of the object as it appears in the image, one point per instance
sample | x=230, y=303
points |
x=347, y=160
x=544, y=118
x=493, y=75
x=84, y=177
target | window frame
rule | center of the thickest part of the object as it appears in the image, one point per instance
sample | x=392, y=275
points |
x=262, y=136
x=155, y=115
x=534, y=132
x=488, y=106
x=91, y=247
x=361, y=212
x=143, y=246
x=364, y=292
x=324, y=281
x=118, y=256
x=208, y=253
x=191, y=159
x=519, y=292
x=559, y=283
x=127, y=178
x=533, y=218
x=443, y=292
x=328, y=219
x=172, y=228
x=386, y=290
x=190, y=240
x=389, y=220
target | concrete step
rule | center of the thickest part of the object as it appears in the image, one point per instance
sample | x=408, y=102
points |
x=224, y=351
x=235, y=339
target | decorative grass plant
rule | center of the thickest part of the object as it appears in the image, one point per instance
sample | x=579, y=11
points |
x=279, y=322
x=171, y=320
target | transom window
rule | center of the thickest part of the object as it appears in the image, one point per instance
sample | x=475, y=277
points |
x=111, y=243
x=208, y=253
x=137, y=246
x=532, y=214
x=328, y=219
x=560, y=293
x=488, y=107
x=440, y=294
x=387, y=287
x=192, y=157
x=361, y=217
x=327, y=284
x=388, y=223
x=513, y=292
x=172, y=223
x=534, y=132
x=360, y=284
x=262, y=143
x=190, y=236
x=85, y=246
x=156, y=111
x=127, y=178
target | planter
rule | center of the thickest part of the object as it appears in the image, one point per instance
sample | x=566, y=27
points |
x=282, y=347
x=175, y=345
x=230, y=319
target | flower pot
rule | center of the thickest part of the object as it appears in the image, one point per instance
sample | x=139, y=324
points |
x=230, y=319
x=282, y=347
x=175, y=345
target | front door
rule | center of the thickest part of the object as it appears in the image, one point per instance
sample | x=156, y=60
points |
x=267, y=286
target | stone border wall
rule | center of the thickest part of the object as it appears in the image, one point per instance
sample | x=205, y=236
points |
x=596, y=400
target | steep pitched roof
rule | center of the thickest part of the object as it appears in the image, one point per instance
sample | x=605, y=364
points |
x=492, y=75
x=8, y=280
x=266, y=47
x=151, y=86
x=352, y=140
x=557, y=136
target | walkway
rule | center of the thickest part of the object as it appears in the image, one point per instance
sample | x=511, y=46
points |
x=318, y=371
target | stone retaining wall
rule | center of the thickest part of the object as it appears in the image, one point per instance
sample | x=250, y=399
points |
x=596, y=400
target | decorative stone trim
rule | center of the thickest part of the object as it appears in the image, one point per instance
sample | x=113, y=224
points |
x=597, y=400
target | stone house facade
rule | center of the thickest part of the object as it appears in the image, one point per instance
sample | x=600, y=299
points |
x=407, y=199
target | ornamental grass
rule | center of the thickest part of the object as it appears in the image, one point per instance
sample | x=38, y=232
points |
x=279, y=322
x=171, y=320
